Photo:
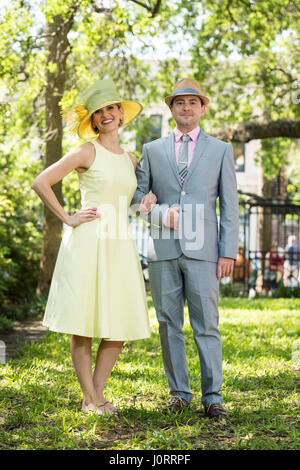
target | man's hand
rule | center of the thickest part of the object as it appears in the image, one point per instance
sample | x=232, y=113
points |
x=172, y=218
x=225, y=267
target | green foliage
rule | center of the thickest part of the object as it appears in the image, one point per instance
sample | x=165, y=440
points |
x=40, y=396
x=273, y=154
x=27, y=310
x=286, y=292
x=21, y=116
x=20, y=229
x=232, y=290
x=245, y=55
x=6, y=324
x=100, y=43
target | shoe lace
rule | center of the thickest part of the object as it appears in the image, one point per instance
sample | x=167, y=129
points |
x=216, y=407
x=175, y=400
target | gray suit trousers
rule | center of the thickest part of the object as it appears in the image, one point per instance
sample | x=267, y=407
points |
x=173, y=282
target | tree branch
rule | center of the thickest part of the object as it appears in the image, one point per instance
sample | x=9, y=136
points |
x=153, y=10
x=156, y=8
x=259, y=130
x=229, y=12
x=148, y=7
x=101, y=9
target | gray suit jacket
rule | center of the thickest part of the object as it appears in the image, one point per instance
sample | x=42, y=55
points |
x=211, y=176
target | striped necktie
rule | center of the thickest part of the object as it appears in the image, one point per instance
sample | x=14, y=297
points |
x=183, y=157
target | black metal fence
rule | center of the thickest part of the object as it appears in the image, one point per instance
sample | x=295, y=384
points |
x=268, y=255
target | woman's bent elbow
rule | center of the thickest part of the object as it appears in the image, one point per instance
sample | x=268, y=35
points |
x=34, y=185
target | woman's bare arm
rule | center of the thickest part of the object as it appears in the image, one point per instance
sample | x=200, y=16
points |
x=79, y=159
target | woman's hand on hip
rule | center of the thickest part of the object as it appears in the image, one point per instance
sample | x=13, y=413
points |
x=83, y=216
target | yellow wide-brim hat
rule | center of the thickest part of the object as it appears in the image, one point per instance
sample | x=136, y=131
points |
x=102, y=93
x=186, y=86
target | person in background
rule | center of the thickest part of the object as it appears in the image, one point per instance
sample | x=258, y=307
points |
x=290, y=278
x=273, y=268
x=256, y=265
x=242, y=268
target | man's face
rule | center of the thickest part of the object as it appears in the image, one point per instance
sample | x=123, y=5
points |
x=187, y=110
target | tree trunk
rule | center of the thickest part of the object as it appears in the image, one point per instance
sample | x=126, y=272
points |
x=57, y=50
x=266, y=221
x=280, y=185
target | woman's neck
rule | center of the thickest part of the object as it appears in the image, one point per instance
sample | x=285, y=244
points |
x=110, y=141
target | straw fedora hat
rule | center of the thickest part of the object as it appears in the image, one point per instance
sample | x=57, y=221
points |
x=186, y=86
x=102, y=93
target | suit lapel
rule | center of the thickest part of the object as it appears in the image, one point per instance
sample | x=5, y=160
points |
x=170, y=151
x=198, y=153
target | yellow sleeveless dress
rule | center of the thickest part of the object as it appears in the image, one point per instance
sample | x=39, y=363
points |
x=97, y=288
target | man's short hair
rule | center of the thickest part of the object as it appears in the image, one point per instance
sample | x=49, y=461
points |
x=202, y=102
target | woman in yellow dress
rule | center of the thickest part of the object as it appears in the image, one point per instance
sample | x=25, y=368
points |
x=97, y=289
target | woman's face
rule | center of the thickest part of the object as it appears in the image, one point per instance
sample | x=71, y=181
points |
x=108, y=119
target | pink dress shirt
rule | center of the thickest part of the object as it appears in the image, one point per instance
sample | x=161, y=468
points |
x=194, y=134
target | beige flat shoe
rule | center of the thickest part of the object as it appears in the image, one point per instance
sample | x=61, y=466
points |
x=91, y=408
x=108, y=409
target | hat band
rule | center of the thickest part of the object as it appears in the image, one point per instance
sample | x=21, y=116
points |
x=185, y=90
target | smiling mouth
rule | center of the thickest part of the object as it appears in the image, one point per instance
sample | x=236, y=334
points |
x=107, y=121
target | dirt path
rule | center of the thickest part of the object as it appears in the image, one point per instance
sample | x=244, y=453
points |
x=23, y=333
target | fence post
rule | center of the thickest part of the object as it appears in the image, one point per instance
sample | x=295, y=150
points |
x=2, y=352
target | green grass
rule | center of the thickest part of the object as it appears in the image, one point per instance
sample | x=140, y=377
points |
x=40, y=397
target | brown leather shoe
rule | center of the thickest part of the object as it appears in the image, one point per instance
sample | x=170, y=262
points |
x=215, y=411
x=176, y=405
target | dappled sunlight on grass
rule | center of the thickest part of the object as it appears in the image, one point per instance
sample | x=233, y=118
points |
x=40, y=397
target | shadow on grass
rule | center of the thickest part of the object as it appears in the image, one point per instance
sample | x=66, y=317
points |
x=144, y=361
x=51, y=419
x=40, y=400
x=246, y=344
x=272, y=384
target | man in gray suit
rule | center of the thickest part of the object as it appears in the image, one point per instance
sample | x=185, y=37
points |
x=188, y=253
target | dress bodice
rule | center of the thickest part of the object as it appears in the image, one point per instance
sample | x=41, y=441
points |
x=110, y=180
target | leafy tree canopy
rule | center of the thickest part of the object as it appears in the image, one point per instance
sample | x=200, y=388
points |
x=245, y=54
